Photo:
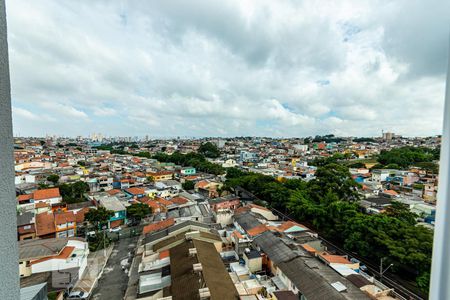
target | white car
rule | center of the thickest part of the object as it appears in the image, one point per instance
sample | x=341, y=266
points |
x=79, y=295
x=116, y=229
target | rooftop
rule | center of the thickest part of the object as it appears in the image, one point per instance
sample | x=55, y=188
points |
x=46, y=194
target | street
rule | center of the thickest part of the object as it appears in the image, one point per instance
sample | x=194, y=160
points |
x=113, y=283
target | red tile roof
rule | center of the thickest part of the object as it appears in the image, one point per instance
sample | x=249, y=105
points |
x=136, y=191
x=179, y=200
x=64, y=217
x=113, y=192
x=390, y=192
x=308, y=248
x=45, y=224
x=159, y=225
x=164, y=254
x=24, y=197
x=79, y=215
x=257, y=230
x=335, y=259
x=41, y=204
x=64, y=254
x=22, y=230
x=46, y=194
x=163, y=201
x=237, y=234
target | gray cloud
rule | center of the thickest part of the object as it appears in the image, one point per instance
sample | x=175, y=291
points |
x=283, y=68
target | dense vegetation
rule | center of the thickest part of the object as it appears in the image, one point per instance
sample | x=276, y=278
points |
x=73, y=192
x=208, y=149
x=98, y=219
x=196, y=160
x=188, y=185
x=137, y=211
x=329, y=138
x=329, y=204
x=405, y=157
x=364, y=140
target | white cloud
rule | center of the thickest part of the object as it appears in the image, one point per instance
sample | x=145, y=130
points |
x=209, y=68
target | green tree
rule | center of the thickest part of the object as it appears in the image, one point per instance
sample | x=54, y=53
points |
x=357, y=165
x=98, y=217
x=401, y=211
x=150, y=179
x=74, y=192
x=336, y=178
x=188, y=185
x=137, y=211
x=53, y=178
x=208, y=149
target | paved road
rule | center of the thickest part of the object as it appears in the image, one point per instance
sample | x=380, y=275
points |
x=113, y=283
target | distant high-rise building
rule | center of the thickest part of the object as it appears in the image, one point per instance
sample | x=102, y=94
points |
x=387, y=136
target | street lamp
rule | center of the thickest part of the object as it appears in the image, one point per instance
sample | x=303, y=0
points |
x=381, y=268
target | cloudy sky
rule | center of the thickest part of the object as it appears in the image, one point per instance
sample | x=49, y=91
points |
x=228, y=68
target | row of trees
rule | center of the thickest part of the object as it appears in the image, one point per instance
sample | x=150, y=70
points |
x=405, y=157
x=195, y=160
x=70, y=192
x=329, y=204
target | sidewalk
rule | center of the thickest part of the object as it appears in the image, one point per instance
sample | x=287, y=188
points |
x=94, y=269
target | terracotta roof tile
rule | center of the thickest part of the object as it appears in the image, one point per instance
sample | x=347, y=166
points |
x=113, y=192
x=45, y=224
x=179, y=200
x=64, y=217
x=136, y=191
x=64, y=254
x=159, y=225
x=335, y=259
x=24, y=197
x=257, y=230
x=46, y=194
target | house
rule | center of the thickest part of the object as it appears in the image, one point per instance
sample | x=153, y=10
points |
x=49, y=196
x=253, y=260
x=186, y=171
x=120, y=212
x=161, y=175
x=227, y=202
x=208, y=188
x=263, y=211
x=135, y=192
x=65, y=224
x=381, y=175
x=47, y=255
x=168, y=184
x=154, y=227
x=182, y=262
x=25, y=226
x=45, y=225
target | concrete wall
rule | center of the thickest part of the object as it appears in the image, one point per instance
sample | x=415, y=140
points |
x=9, y=258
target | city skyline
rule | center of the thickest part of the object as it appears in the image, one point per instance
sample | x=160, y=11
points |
x=277, y=69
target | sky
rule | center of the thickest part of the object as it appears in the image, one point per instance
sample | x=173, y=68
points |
x=228, y=68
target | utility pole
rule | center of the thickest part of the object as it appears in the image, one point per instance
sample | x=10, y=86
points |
x=381, y=269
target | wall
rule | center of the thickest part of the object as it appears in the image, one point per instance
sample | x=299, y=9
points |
x=9, y=258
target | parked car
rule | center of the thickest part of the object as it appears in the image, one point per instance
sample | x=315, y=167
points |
x=77, y=295
x=116, y=229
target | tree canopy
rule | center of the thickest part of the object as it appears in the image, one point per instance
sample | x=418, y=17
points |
x=188, y=185
x=53, y=178
x=405, y=157
x=73, y=192
x=98, y=217
x=329, y=204
x=208, y=149
x=137, y=211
